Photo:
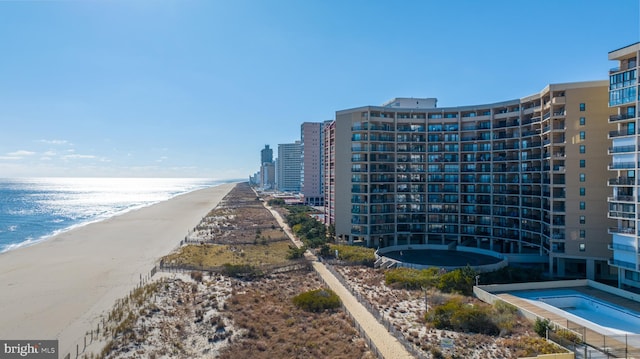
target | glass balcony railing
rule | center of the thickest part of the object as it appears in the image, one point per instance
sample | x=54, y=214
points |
x=614, y=118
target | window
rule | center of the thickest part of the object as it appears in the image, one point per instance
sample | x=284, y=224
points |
x=582, y=247
x=583, y=106
x=582, y=177
x=583, y=220
x=582, y=191
x=582, y=121
x=583, y=135
x=583, y=233
x=583, y=205
x=583, y=163
x=583, y=149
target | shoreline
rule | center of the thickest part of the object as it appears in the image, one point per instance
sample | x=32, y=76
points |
x=58, y=288
x=28, y=242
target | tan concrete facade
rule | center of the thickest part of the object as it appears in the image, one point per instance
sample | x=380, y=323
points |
x=525, y=177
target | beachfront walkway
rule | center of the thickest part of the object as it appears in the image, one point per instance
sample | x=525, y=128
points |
x=387, y=344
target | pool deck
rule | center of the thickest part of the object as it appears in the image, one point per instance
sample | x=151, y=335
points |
x=618, y=343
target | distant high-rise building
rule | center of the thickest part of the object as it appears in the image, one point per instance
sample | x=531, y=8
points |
x=268, y=175
x=311, y=180
x=288, y=167
x=266, y=155
x=523, y=177
x=267, y=168
x=624, y=204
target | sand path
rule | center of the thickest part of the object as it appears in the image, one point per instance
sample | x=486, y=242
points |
x=386, y=343
x=59, y=288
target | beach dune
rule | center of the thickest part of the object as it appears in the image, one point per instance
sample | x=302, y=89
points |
x=59, y=288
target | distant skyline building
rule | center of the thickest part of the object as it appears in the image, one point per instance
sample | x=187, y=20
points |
x=268, y=176
x=266, y=155
x=289, y=165
x=523, y=177
x=625, y=199
x=311, y=180
x=267, y=172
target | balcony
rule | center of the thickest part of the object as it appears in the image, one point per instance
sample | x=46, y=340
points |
x=622, y=165
x=622, y=230
x=622, y=181
x=622, y=149
x=622, y=247
x=613, y=134
x=621, y=199
x=623, y=264
x=614, y=118
x=621, y=215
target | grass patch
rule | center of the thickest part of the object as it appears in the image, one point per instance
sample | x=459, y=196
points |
x=216, y=255
x=354, y=254
x=410, y=278
x=456, y=281
x=317, y=300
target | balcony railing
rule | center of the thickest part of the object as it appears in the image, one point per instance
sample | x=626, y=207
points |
x=623, y=149
x=621, y=199
x=622, y=247
x=622, y=230
x=614, y=118
x=613, y=134
x=619, y=263
x=622, y=181
x=622, y=165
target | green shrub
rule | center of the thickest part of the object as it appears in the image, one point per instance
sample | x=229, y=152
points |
x=295, y=252
x=241, y=271
x=504, y=316
x=317, y=300
x=463, y=317
x=458, y=281
x=276, y=202
x=411, y=278
x=354, y=254
x=541, y=326
x=569, y=335
x=312, y=232
x=325, y=250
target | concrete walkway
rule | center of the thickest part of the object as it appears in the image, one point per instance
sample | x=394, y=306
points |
x=387, y=344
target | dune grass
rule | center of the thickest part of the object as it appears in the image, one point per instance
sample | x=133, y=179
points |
x=216, y=255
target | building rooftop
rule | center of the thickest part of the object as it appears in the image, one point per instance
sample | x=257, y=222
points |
x=411, y=102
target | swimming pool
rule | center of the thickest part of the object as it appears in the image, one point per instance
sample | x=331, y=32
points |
x=590, y=312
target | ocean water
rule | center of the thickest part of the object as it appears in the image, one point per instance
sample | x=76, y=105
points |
x=34, y=209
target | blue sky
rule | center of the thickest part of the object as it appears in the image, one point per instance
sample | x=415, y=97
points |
x=195, y=88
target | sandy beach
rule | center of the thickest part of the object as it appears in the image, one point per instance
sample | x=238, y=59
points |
x=59, y=288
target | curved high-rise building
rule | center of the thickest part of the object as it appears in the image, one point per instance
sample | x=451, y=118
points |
x=524, y=177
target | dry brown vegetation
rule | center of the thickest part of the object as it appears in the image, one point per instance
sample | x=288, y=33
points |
x=275, y=328
x=240, y=218
x=216, y=316
x=215, y=255
x=192, y=315
x=405, y=309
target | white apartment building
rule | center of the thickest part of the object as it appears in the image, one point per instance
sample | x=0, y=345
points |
x=624, y=202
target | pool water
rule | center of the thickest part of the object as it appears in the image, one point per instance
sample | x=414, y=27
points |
x=593, y=313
